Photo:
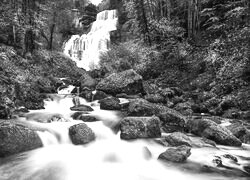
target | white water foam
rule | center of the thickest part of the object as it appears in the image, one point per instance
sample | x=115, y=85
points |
x=86, y=49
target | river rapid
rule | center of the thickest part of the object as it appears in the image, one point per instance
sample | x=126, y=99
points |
x=109, y=157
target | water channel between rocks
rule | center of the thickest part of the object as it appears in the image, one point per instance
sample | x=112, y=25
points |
x=108, y=157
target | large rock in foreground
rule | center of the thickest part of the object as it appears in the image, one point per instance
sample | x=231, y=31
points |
x=140, y=127
x=16, y=138
x=81, y=134
x=178, y=154
x=212, y=131
x=128, y=82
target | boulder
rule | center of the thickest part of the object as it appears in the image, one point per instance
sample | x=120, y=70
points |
x=88, y=118
x=81, y=134
x=86, y=94
x=210, y=130
x=87, y=81
x=184, y=108
x=240, y=131
x=128, y=82
x=140, y=127
x=77, y=114
x=98, y=95
x=141, y=107
x=110, y=103
x=155, y=98
x=178, y=139
x=172, y=120
x=178, y=154
x=84, y=117
x=237, y=129
x=16, y=138
x=81, y=107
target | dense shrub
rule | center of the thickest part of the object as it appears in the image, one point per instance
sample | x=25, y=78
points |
x=150, y=62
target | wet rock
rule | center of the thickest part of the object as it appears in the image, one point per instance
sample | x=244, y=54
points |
x=155, y=98
x=15, y=138
x=84, y=117
x=99, y=95
x=128, y=82
x=178, y=139
x=209, y=129
x=76, y=115
x=226, y=161
x=178, y=154
x=140, y=127
x=81, y=107
x=86, y=94
x=172, y=120
x=237, y=129
x=88, y=118
x=240, y=131
x=81, y=134
x=141, y=107
x=110, y=103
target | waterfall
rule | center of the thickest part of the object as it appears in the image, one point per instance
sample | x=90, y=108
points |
x=86, y=49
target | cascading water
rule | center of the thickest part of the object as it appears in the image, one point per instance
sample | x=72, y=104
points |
x=86, y=49
x=108, y=157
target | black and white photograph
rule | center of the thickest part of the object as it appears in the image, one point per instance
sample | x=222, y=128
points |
x=124, y=90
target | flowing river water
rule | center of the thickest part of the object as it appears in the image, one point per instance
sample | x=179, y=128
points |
x=109, y=157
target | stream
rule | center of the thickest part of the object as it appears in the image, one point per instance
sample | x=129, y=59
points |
x=109, y=157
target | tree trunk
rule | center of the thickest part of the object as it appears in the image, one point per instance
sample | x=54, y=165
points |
x=51, y=36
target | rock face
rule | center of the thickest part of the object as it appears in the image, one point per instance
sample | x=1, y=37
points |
x=212, y=131
x=178, y=154
x=110, y=103
x=128, y=82
x=178, y=139
x=140, y=127
x=81, y=134
x=172, y=121
x=15, y=138
x=81, y=107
